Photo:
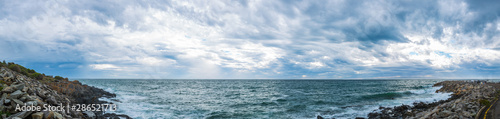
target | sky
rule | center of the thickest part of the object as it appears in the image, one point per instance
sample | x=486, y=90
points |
x=254, y=39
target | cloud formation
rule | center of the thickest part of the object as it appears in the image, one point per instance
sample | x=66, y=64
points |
x=254, y=39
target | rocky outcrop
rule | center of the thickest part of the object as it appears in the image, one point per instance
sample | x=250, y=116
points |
x=464, y=103
x=19, y=90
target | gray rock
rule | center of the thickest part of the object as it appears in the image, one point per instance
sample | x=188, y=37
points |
x=18, y=101
x=38, y=115
x=58, y=116
x=52, y=101
x=23, y=98
x=25, y=89
x=18, y=86
x=29, y=103
x=21, y=115
x=16, y=94
x=4, y=97
x=90, y=114
x=9, y=89
x=7, y=101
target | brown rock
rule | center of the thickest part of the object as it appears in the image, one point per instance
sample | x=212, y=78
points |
x=38, y=115
x=48, y=115
x=9, y=89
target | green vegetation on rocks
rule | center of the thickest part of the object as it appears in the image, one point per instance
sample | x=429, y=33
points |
x=20, y=85
x=484, y=102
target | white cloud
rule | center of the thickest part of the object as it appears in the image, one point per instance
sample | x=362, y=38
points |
x=197, y=39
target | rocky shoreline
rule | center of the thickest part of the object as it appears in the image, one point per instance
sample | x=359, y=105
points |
x=466, y=100
x=19, y=90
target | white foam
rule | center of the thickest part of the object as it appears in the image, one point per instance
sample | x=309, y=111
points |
x=426, y=95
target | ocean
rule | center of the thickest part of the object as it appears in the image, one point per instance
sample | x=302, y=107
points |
x=301, y=99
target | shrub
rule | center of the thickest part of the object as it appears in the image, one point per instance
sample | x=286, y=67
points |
x=484, y=102
x=6, y=113
x=31, y=71
x=58, y=78
x=37, y=76
x=14, y=67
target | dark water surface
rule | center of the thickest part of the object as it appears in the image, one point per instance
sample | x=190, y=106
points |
x=262, y=98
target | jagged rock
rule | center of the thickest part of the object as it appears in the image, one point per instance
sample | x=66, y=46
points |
x=52, y=100
x=29, y=103
x=114, y=116
x=445, y=113
x=89, y=114
x=9, y=89
x=22, y=90
x=464, y=103
x=48, y=115
x=18, y=102
x=39, y=102
x=16, y=94
x=4, y=97
x=25, y=89
x=38, y=115
x=22, y=115
x=7, y=101
x=18, y=86
x=58, y=116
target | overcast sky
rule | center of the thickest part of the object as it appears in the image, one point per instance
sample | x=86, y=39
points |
x=184, y=39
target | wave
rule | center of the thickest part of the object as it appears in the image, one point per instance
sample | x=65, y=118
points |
x=389, y=95
x=389, y=99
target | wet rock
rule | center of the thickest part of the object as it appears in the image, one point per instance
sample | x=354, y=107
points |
x=115, y=116
x=463, y=103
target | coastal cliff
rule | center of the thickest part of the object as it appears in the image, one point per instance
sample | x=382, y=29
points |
x=19, y=89
x=466, y=101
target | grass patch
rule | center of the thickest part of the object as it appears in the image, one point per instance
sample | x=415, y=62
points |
x=2, y=112
x=485, y=102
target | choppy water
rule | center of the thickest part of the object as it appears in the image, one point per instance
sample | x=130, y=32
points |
x=263, y=98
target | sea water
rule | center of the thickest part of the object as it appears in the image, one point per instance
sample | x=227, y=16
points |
x=214, y=99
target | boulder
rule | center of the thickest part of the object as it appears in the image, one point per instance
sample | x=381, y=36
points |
x=38, y=115
x=9, y=89
x=48, y=115
x=18, y=86
x=7, y=101
x=90, y=114
x=52, y=100
x=18, y=102
x=16, y=94
x=21, y=115
x=58, y=116
x=4, y=97
x=29, y=103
